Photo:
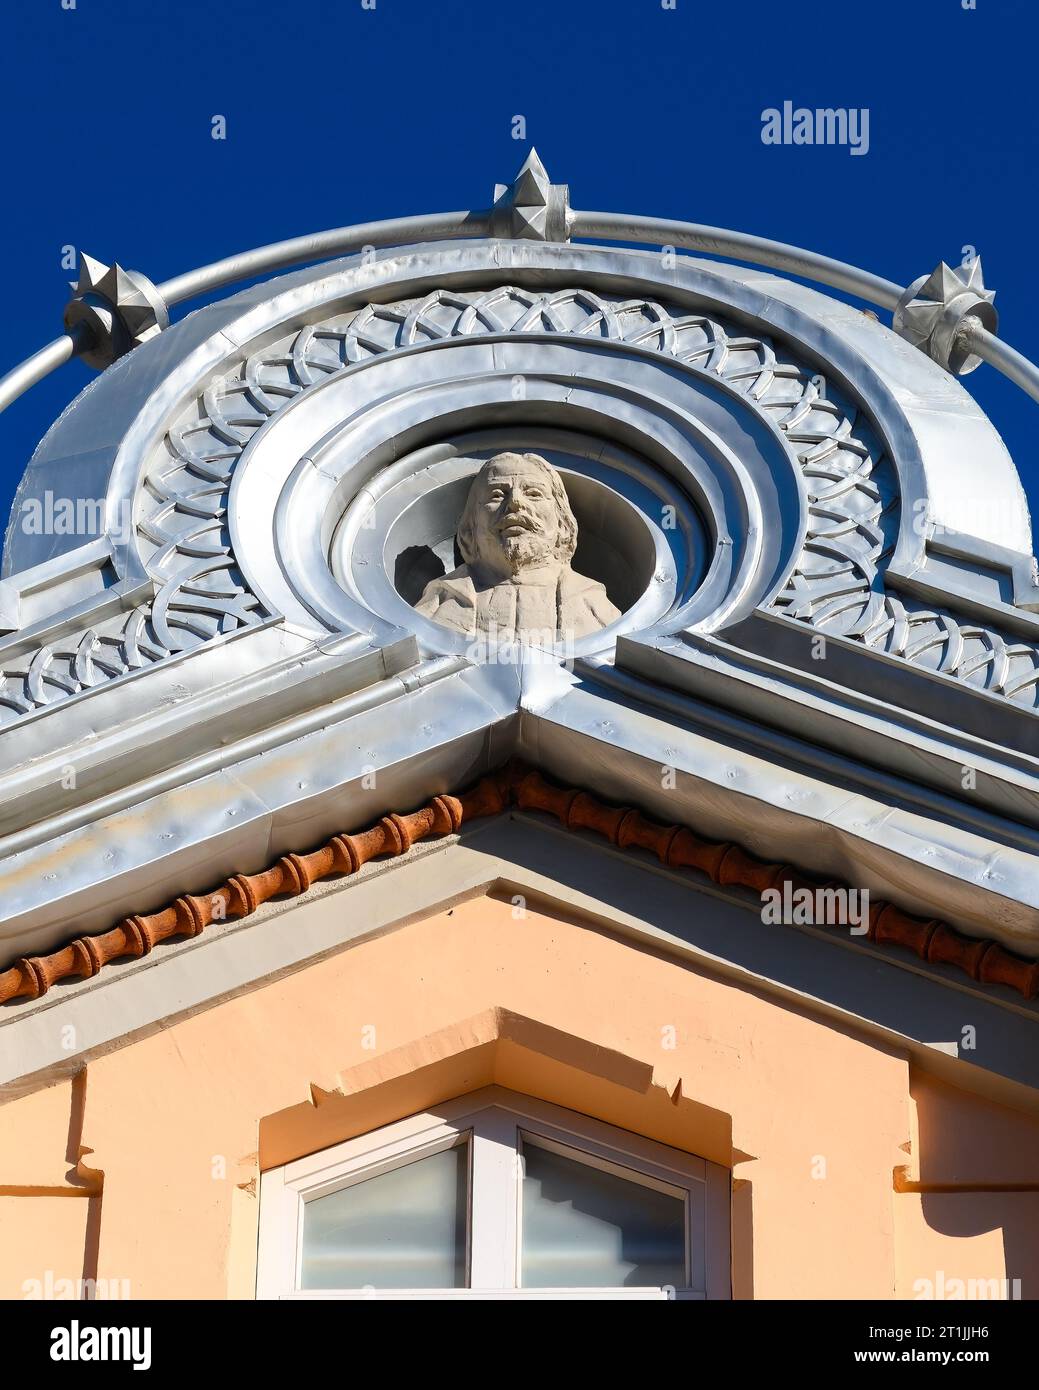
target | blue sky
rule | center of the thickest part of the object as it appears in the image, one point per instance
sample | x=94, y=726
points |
x=338, y=114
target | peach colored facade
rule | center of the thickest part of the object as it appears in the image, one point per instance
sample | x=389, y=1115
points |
x=855, y=1172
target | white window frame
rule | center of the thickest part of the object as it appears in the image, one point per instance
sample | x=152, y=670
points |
x=496, y=1123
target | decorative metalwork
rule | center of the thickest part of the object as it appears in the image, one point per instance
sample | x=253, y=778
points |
x=938, y=313
x=532, y=207
x=198, y=604
x=837, y=585
x=827, y=431
x=118, y=308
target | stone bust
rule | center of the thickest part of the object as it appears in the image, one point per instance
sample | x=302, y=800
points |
x=517, y=536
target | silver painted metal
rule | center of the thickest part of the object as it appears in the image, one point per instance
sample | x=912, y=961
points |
x=283, y=793
x=279, y=255
x=1014, y=366
x=294, y=792
x=937, y=313
x=619, y=749
x=327, y=715
x=276, y=256
x=116, y=310
x=620, y=391
x=23, y=377
x=837, y=586
x=870, y=750
x=798, y=441
x=532, y=206
x=739, y=246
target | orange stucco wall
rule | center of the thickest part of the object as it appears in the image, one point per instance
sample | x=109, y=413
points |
x=820, y=1117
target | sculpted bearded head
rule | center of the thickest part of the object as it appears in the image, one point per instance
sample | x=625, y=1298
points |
x=517, y=516
x=517, y=536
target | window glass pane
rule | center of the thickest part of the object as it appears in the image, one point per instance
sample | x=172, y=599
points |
x=404, y=1229
x=584, y=1226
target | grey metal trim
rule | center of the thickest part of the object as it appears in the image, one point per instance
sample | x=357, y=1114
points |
x=607, y=226
x=844, y=733
x=268, y=798
x=21, y=378
x=182, y=838
x=682, y=774
x=897, y=382
x=738, y=246
x=321, y=710
x=1014, y=366
x=319, y=246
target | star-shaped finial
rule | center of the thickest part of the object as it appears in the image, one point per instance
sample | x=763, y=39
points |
x=532, y=207
x=119, y=309
x=938, y=311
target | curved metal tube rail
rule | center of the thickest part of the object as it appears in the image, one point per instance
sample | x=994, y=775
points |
x=598, y=226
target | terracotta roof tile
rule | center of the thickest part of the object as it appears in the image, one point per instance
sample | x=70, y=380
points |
x=678, y=846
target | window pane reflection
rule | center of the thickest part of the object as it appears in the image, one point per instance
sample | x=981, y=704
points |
x=586, y=1227
x=405, y=1229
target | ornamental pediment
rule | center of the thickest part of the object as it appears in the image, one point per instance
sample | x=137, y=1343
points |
x=516, y=488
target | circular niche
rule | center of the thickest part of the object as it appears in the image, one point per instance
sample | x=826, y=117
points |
x=639, y=534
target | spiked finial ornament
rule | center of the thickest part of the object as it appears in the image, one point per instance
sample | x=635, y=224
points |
x=532, y=207
x=938, y=312
x=118, y=308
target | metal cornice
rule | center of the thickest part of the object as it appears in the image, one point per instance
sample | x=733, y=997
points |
x=723, y=862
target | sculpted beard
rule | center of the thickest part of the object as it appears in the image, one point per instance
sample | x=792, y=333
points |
x=529, y=547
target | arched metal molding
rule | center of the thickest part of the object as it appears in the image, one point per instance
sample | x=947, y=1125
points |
x=698, y=432
x=957, y=465
x=533, y=208
x=952, y=468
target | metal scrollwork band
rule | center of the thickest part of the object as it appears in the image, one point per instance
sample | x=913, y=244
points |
x=837, y=585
